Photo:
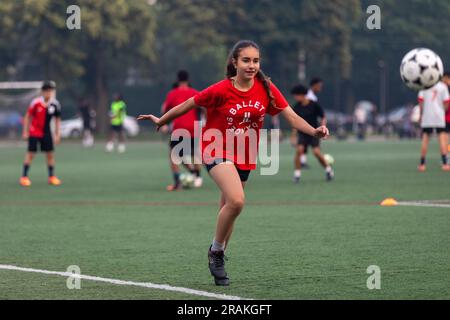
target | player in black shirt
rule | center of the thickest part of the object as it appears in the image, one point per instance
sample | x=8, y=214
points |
x=311, y=112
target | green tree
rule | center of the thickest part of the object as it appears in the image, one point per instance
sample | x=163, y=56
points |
x=114, y=35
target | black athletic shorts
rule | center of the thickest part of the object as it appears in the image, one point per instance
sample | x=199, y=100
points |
x=307, y=140
x=243, y=174
x=447, y=127
x=117, y=129
x=432, y=130
x=45, y=144
x=193, y=141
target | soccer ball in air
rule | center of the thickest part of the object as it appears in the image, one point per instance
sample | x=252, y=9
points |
x=187, y=180
x=329, y=159
x=421, y=69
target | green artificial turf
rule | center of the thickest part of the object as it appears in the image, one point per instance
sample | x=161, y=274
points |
x=114, y=219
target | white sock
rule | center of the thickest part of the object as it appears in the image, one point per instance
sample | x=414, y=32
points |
x=297, y=173
x=328, y=169
x=217, y=246
x=303, y=159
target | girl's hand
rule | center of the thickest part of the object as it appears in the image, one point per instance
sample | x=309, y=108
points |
x=322, y=132
x=150, y=117
x=164, y=129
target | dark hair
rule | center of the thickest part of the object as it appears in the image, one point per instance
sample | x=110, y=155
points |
x=299, y=89
x=315, y=81
x=182, y=76
x=118, y=96
x=47, y=85
x=231, y=69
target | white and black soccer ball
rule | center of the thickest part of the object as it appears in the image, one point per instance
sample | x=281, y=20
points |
x=187, y=180
x=421, y=69
x=329, y=159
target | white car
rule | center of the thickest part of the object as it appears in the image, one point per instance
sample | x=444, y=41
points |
x=74, y=127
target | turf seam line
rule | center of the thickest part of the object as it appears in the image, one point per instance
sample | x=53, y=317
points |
x=428, y=204
x=148, y=285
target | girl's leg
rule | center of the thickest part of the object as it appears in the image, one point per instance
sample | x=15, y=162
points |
x=227, y=179
x=222, y=203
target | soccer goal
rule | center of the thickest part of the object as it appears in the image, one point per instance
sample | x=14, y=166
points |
x=14, y=100
x=17, y=95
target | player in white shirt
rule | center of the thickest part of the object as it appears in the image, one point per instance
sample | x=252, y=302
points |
x=315, y=87
x=433, y=103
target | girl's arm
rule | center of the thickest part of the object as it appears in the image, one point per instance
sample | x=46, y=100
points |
x=170, y=115
x=301, y=125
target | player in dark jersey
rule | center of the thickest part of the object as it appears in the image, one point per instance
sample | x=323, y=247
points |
x=311, y=112
x=315, y=87
x=36, y=129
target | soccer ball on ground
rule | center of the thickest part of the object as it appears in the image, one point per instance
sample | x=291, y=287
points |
x=329, y=159
x=421, y=69
x=187, y=180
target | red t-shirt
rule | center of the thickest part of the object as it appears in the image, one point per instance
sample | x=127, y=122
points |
x=234, y=113
x=187, y=121
x=41, y=114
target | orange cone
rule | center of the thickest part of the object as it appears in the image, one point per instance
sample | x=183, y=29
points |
x=389, y=202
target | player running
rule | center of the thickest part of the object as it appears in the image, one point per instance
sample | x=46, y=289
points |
x=315, y=87
x=117, y=114
x=235, y=107
x=311, y=112
x=181, y=92
x=433, y=104
x=36, y=129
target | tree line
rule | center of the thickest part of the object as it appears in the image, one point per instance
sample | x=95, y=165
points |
x=144, y=42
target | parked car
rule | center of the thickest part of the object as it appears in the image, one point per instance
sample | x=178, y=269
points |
x=403, y=121
x=73, y=128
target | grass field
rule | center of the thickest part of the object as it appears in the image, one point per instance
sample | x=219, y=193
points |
x=114, y=219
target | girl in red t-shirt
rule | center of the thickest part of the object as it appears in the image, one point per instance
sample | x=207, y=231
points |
x=235, y=107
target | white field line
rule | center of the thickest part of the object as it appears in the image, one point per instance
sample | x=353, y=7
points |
x=425, y=203
x=126, y=283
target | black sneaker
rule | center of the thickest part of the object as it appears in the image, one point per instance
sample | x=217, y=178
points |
x=330, y=175
x=296, y=180
x=216, y=263
x=305, y=165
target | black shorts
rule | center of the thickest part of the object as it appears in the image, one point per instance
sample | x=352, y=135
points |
x=117, y=129
x=193, y=141
x=307, y=140
x=243, y=174
x=87, y=124
x=45, y=144
x=432, y=130
x=447, y=127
